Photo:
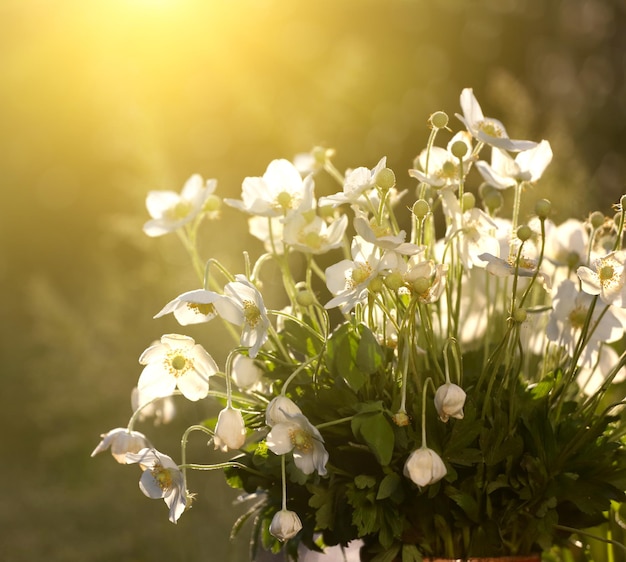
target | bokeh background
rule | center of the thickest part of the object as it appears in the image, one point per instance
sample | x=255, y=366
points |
x=104, y=100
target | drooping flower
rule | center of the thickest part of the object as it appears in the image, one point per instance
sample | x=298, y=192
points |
x=487, y=129
x=230, y=430
x=162, y=410
x=176, y=362
x=170, y=210
x=607, y=279
x=245, y=372
x=449, y=401
x=299, y=436
x=192, y=307
x=505, y=171
x=244, y=307
x=121, y=441
x=280, y=190
x=424, y=467
x=161, y=479
x=279, y=410
x=285, y=524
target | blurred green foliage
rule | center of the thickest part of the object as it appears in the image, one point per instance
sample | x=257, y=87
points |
x=102, y=101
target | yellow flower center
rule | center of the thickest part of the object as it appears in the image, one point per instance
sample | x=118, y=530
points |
x=606, y=273
x=251, y=313
x=301, y=440
x=359, y=274
x=312, y=240
x=180, y=210
x=284, y=200
x=577, y=317
x=201, y=308
x=163, y=477
x=490, y=128
x=177, y=363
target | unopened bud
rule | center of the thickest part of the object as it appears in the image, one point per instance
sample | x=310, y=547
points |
x=458, y=149
x=385, y=179
x=519, y=315
x=394, y=280
x=401, y=419
x=468, y=202
x=438, y=120
x=524, y=232
x=596, y=219
x=305, y=298
x=421, y=208
x=543, y=208
x=493, y=201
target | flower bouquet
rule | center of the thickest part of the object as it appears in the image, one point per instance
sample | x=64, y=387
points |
x=444, y=378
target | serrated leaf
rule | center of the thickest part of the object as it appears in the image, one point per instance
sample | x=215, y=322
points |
x=363, y=481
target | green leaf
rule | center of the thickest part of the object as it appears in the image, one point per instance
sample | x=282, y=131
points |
x=363, y=481
x=376, y=431
x=410, y=553
x=388, y=486
x=369, y=357
x=342, y=348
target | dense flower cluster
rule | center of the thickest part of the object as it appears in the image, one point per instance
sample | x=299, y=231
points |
x=442, y=381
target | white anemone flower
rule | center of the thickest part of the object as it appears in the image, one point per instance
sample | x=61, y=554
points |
x=439, y=167
x=280, y=190
x=486, y=129
x=382, y=236
x=170, y=210
x=449, y=401
x=592, y=374
x=505, y=172
x=426, y=279
x=161, y=479
x=348, y=280
x=246, y=373
x=230, y=430
x=121, y=441
x=175, y=362
x=356, y=182
x=279, y=409
x=162, y=410
x=285, y=524
x=244, y=307
x=268, y=230
x=607, y=278
x=570, y=309
x=312, y=235
x=424, y=467
x=192, y=307
x=296, y=434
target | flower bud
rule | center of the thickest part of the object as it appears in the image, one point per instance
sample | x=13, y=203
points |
x=438, y=120
x=421, y=208
x=305, y=298
x=449, y=401
x=424, y=467
x=278, y=410
x=285, y=524
x=493, y=201
x=468, y=202
x=596, y=219
x=230, y=430
x=543, y=208
x=520, y=315
x=385, y=179
x=245, y=371
x=394, y=280
x=458, y=149
x=524, y=232
x=401, y=419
